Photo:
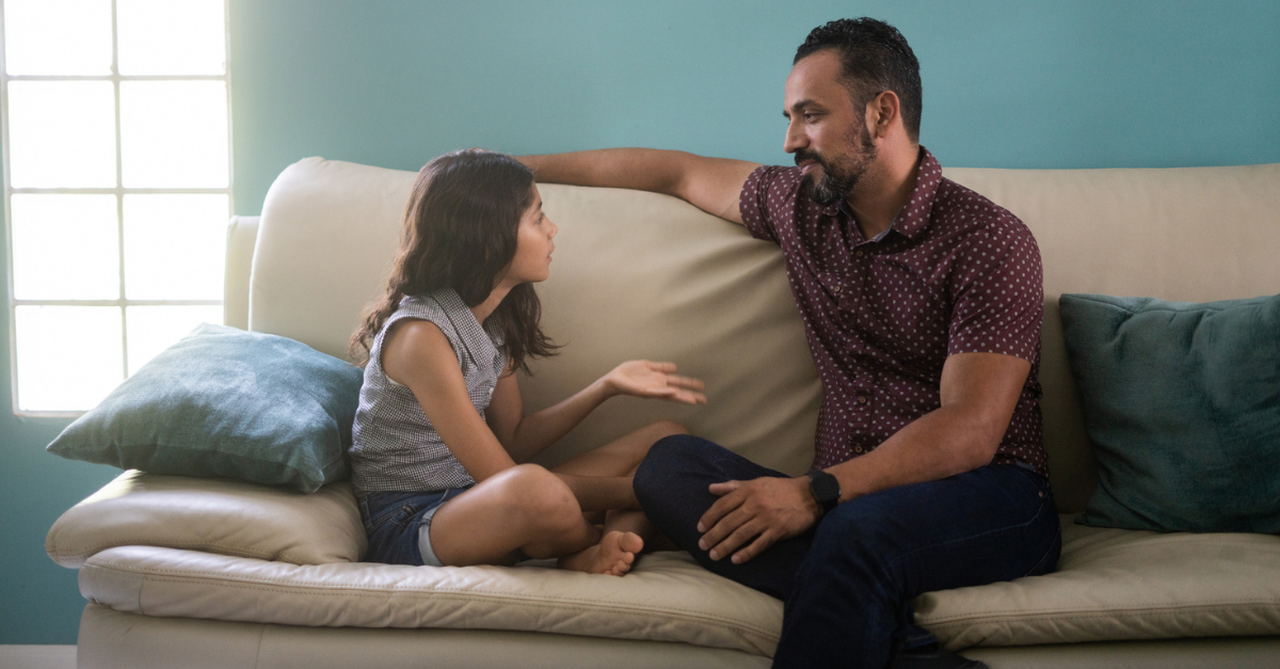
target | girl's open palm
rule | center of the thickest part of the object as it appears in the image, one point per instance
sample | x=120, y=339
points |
x=643, y=378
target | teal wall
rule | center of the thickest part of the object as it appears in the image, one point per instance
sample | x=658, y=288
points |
x=394, y=82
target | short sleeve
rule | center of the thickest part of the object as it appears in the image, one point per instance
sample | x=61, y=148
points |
x=768, y=199
x=998, y=293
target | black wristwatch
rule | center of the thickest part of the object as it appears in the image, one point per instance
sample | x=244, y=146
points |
x=825, y=488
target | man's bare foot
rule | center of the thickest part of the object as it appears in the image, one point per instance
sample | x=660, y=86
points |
x=613, y=555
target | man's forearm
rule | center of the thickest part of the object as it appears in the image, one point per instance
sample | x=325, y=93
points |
x=939, y=444
x=979, y=392
x=641, y=169
x=711, y=184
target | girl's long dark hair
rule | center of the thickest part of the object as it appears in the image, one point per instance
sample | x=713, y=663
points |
x=460, y=232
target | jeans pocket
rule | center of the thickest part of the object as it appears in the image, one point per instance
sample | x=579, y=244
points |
x=404, y=515
x=1031, y=475
x=393, y=508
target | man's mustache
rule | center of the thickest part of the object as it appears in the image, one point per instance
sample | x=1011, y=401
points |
x=803, y=155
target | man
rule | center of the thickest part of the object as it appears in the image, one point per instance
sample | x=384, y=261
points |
x=922, y=305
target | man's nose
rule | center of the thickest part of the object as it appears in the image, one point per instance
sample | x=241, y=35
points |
x=795, y=139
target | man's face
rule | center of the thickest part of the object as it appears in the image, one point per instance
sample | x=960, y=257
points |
x=828, y=136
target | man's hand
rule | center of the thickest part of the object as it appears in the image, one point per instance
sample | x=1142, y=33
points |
x=766, y=509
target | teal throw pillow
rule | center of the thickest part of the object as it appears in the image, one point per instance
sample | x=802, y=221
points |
x=1182, y=403
x=223, y=402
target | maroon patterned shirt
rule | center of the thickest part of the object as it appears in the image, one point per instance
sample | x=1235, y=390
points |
x=955, y=273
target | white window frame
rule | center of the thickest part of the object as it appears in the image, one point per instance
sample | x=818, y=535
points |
x=119, y=191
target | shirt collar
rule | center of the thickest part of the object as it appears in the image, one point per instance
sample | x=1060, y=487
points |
x=482, y=343
x=914, y=215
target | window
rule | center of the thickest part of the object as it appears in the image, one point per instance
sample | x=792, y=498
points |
x=117, y=187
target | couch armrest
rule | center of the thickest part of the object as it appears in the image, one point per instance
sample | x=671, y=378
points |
x=242, y=234
x=212, y=515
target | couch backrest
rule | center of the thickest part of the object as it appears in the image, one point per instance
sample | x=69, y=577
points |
x=643, y=275
x=1187, y=234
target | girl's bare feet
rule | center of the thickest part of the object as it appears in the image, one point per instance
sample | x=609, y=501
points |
x=613, y=555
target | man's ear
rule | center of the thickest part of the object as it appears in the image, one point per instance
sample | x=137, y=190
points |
x=883, y=111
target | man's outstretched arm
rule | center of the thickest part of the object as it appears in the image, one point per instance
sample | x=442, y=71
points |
x=710, y=184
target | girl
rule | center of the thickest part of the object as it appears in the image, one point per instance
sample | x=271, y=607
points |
x=440, y=429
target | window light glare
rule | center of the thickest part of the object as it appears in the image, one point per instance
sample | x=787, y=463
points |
x=57, y=37
x=174, y=246
x=174, y=134
x=62, y=134
x=171, y=37
x=69, y=358
x=118, y=183
x=65, y=247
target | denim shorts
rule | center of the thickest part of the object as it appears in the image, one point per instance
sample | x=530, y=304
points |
x=398, y=525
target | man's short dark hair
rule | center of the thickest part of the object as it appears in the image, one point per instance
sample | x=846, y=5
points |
x=875, y=58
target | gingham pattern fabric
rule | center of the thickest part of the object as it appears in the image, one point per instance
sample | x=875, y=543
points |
x=394, y=447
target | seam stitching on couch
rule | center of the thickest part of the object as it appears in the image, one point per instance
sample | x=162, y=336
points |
x=1053, y=616
x=285, y=555
x=327, y=591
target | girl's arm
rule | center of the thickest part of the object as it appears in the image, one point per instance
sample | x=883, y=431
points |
x=526, y=436
x=418, y=355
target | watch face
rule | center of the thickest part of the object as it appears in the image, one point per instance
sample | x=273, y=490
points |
x=825, y=488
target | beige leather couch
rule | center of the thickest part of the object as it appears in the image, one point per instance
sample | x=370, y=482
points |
x=210, y=573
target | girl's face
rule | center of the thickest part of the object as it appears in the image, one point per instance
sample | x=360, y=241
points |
x=532, y=262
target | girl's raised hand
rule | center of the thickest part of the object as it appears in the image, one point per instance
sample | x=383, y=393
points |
x=643, y=378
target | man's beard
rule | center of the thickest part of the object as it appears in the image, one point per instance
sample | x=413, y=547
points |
x=839, y=177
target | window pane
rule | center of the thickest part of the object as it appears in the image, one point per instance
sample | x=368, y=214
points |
x=168, y=37
x=69, y=358
x=62, y=134
x=65, y=247
x=174, y=246
x=174, y=134
x=57, y=36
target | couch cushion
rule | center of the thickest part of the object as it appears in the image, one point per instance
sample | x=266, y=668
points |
x=225, y=402
x=1110, y=585
x=666, y=597
x=1182, y=403
x=215, y=515
x=1116, y=584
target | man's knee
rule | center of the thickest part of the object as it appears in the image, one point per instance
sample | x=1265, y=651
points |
x=640, y=441
x=669, y=459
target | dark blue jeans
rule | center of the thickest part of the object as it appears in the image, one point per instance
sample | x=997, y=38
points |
x=848, y=583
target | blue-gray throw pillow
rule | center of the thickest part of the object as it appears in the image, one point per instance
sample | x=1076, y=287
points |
x=223, y=402
x=1182, y=403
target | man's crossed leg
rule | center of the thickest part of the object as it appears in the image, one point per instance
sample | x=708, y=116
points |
x=849, y=582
